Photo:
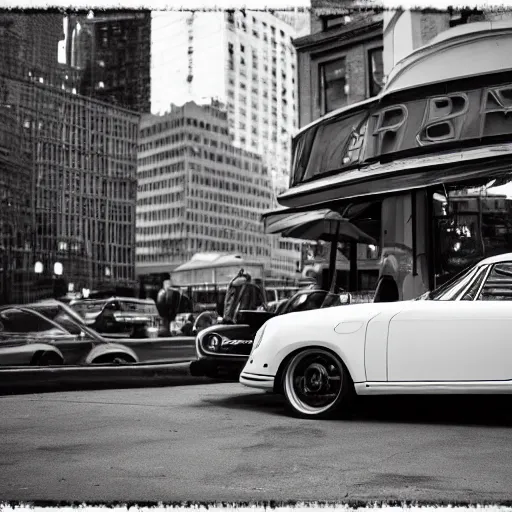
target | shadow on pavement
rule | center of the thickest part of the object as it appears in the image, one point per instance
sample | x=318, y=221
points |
x=442, y=410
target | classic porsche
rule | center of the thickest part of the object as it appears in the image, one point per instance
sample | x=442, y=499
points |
x=222, y=350
x=50, y=333
x=455, y=339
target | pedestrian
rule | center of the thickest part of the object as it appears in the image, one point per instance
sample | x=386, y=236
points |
x=168, y=304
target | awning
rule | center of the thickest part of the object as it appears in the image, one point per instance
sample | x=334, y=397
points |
x=402, y=175
x=322, y=224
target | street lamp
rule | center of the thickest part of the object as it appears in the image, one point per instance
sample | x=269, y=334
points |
x=38, y=267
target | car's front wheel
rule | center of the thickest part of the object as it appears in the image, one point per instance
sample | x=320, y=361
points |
x=317, y=384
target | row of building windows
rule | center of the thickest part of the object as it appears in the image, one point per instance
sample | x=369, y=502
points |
x=221, y=184
x=166, y=213
x=236, y=175
x=162, y=170
x=163, y=155
x=159, y=185
x=155, y=199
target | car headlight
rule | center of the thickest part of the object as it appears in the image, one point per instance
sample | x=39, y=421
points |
x=212, y=342
x=258, y=338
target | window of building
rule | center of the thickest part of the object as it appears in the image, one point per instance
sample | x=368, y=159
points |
x=242, y=48
x=333, y=83
x=375, y=71
x=329, y=22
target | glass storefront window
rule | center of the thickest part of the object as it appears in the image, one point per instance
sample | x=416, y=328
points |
x=470, y=223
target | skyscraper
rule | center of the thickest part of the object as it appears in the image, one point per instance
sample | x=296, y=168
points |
x=107, y=56
x=246, y=60
x=67, y=173
x=196, y=191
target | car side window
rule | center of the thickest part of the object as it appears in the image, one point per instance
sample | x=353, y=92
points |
x=472, y=292
x=18, y=321
x=498, y=285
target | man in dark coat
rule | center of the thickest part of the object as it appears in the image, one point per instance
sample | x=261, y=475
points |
x=168, y=303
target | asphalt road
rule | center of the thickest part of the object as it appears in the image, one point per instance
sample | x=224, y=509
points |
x=224, y=442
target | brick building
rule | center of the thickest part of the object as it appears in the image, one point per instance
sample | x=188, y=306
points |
x=340, y=62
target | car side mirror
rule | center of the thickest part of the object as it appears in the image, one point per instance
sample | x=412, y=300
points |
x=345, y=298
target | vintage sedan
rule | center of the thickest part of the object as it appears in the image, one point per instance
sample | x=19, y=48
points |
x=50, y=333
x=455, y=339
x=119, y=317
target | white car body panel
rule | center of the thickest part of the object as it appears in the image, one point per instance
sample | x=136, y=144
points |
x=413, y=347
x=304, y=331
x=451, y=341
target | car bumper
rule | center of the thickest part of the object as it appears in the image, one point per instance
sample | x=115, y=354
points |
x=255, y=380
x=217, y=367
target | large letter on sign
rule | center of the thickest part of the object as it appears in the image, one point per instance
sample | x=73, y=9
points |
x=388, y=129
x=496, y=111
x=443, y=120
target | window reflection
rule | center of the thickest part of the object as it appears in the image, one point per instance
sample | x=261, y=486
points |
x=333, y=85
x=470, y=224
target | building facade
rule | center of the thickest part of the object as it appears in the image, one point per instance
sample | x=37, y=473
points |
x=339, y=63
x=245, y=60
x=67, y=184
x=106, y=56
x=196, y=191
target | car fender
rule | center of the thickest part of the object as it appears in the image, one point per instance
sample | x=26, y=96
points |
x=339, y=329
x=30, y=350
x=350, y=350
x=110, y=348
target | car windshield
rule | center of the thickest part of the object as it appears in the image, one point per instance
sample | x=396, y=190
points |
x=450, y=289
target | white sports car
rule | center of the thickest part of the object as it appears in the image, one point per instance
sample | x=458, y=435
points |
x=456, y=339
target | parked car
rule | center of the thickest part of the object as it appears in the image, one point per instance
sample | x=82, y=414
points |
x=455, y=339
x=51, y=333
x=222, y=350
x=120, y=316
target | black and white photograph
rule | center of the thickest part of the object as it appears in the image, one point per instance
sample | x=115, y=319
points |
x=256, y=253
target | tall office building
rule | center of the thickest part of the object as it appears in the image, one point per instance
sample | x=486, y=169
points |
x=106, y=55
x=246, y=60
x=33, y=40
x=196, y=191
x=67, y=179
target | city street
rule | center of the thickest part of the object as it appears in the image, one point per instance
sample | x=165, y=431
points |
x=221, y=441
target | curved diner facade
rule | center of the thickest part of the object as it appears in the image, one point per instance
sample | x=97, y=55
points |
x=424, y=166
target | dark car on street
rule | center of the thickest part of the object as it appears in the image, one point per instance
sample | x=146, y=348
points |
x=120, y=317
x=222, y=350
x=51, y=333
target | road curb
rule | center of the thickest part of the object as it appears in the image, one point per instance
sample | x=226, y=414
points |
x=13, y=380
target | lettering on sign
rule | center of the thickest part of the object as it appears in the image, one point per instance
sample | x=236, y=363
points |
x=443, y=119
x=496, y=110
x=389, y=127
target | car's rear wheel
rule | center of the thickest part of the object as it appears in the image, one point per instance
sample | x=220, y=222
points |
x=317, y=384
